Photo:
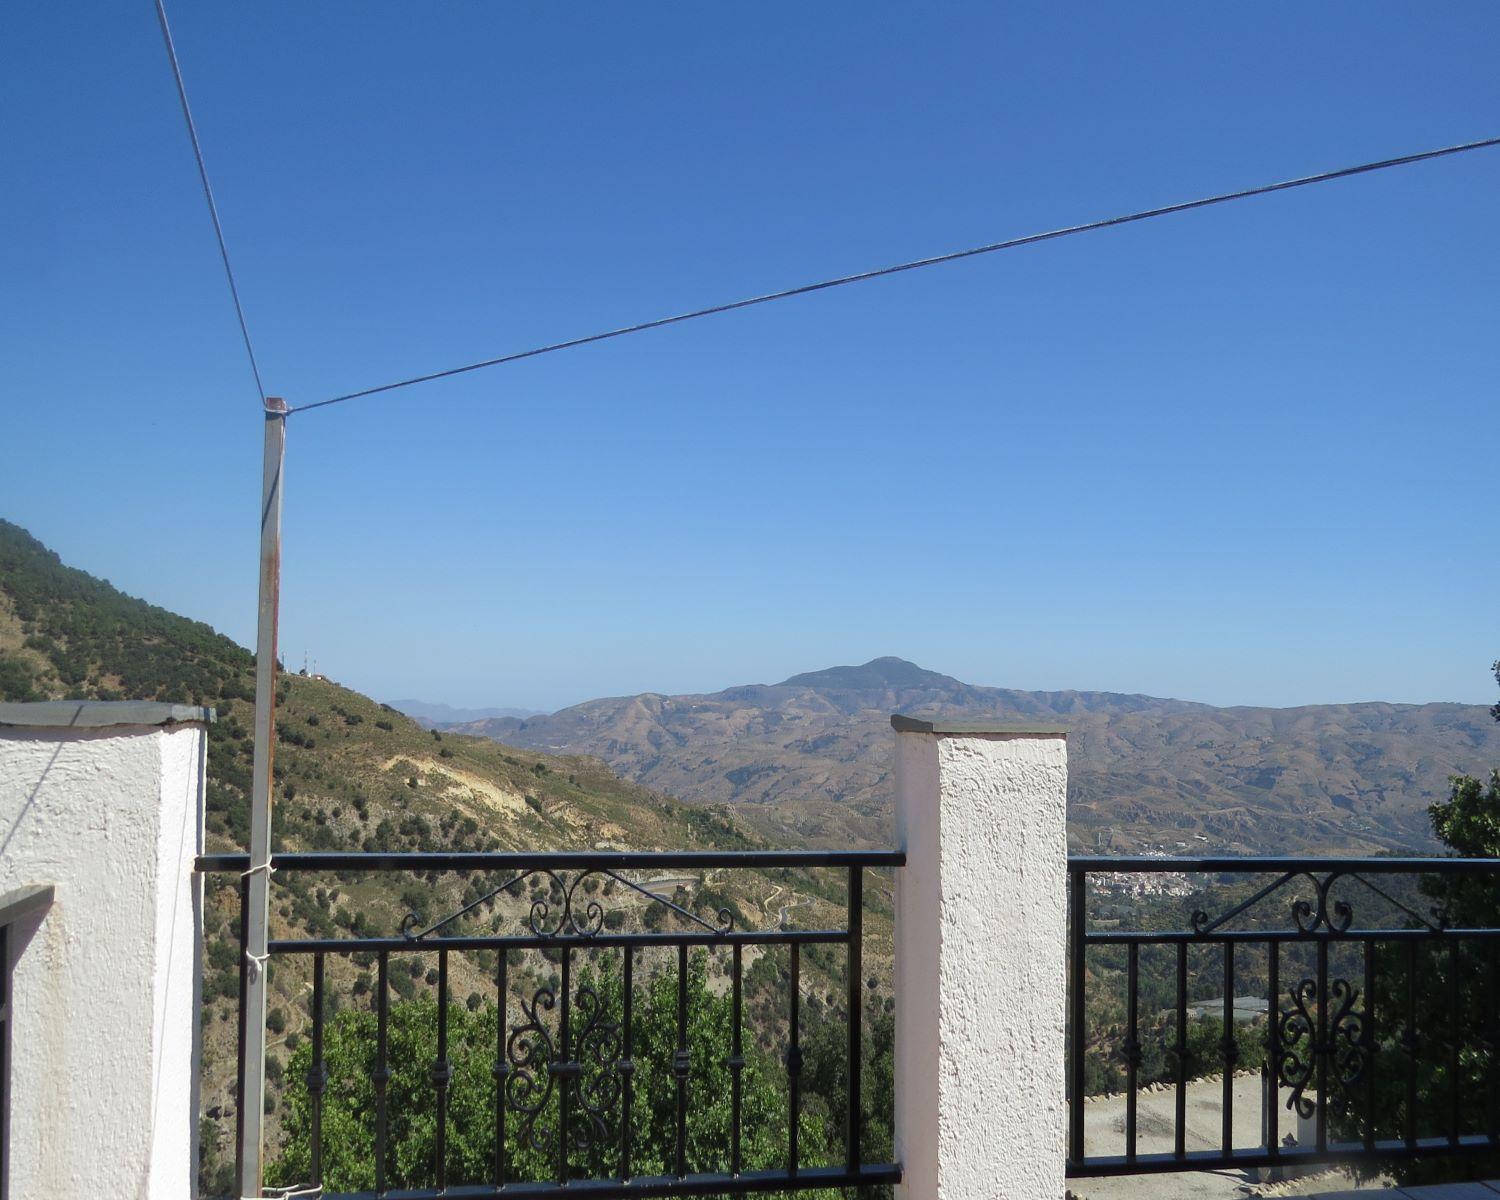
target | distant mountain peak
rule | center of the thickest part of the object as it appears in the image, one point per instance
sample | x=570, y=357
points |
x=447, y=714
x=878, y=673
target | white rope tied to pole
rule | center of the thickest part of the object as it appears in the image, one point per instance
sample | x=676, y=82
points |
x=258, y=961
x=287, y=1193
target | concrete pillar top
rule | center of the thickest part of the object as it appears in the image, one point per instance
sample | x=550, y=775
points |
x=100, y=714
x=954, y=728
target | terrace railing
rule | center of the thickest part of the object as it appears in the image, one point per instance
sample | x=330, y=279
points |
x=1380, y=979
x=566, y=1082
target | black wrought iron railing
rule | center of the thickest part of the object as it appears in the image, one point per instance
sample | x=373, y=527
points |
x=565, y=1069
x=1353, y=1005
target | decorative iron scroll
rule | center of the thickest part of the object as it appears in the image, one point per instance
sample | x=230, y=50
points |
x=1294, y=1027
x=602, y=1081
x=571, y=1092
x=579, y=916
x=1322, y=917
x=528, y=1084
x=1297, y=1035
x=592, y=1081
x=1347, y=1031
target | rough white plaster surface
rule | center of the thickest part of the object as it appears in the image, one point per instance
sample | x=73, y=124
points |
x=981, y=936
x=105, y=1033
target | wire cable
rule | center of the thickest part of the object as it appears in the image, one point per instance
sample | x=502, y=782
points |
x=953, y=256
x=208, y=194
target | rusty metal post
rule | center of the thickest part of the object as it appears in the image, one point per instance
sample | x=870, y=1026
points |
x=250, y=1154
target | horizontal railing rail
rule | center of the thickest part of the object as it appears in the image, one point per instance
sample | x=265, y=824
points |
x=562, y=860
x=1373, y=1016
x=565, y=1062
x=1250, y=864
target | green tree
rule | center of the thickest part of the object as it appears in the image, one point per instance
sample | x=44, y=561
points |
x=1468, y=823
x=1443, y=995
x=349, y=1103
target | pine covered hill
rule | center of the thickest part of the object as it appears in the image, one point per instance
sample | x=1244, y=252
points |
x=65, y=634
x=353, y=774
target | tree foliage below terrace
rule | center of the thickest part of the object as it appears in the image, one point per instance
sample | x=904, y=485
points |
x=1432, y=1064
x=1448, y=995
x=1434, y=1067
x=1455, y=994
x=349, y=1107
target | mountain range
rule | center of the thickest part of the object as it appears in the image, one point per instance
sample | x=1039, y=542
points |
x=428, y=714
x=802, y=761
x=810, y=757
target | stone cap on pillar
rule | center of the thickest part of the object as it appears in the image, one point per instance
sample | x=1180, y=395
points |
x=953, y=726
x=100, y=714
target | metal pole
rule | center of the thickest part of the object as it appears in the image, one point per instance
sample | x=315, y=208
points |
x=253, y=1007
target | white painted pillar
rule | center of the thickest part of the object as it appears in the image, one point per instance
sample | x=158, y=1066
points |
x=104, y=802
x=981, y=954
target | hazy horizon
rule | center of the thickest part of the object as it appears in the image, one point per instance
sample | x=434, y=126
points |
x=518, y=708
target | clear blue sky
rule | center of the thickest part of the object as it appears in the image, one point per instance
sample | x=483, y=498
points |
x=1245, y=455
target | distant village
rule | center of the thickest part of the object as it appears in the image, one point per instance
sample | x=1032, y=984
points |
x=1138, y=884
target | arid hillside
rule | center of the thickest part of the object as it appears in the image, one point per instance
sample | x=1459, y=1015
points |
x=810, y=757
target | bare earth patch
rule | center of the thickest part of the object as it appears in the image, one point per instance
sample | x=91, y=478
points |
x=482, y=791
x=1104, y=1133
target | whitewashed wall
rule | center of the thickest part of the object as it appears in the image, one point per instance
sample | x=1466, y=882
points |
x=981, y=937
x=105, y=802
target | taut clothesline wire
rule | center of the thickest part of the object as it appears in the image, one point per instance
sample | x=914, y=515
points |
x=952, y=256
x=784, y=294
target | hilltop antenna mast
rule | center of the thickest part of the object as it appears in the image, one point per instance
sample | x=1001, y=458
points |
x=255, y=884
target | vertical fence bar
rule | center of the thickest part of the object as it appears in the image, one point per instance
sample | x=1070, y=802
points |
x=500, y=1071
x=1455, y=1036
x=856, y=1010
x=681, y=1062
x=1179, y=1141
x=441, y=1073
x=1409, y=1043
x=565, y=1080
x=626, y=1065
x=239, y=1078
x=736, y=1066
x=1076, y=1042
x=317, y=1073
x=1371, y=1047
x=1492, y=1075
x=5, y=1055
x=1132, y=1045
x=382, y=1077
x=1272, y=1100
x=794, y=1061
x=1226, y=1130
x=1321, y=1049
